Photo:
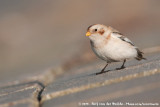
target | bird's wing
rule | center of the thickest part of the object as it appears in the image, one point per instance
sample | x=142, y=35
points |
x=120, y=36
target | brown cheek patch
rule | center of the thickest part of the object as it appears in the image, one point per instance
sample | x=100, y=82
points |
x=101, y=32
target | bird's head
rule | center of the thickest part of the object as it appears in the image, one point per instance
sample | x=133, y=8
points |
x=97, y=32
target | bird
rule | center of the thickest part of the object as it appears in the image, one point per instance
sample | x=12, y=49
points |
x=111, y=46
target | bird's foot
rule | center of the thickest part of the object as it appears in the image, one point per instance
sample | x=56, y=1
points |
x=102, y=72
x=122, y=67
x=99, y=73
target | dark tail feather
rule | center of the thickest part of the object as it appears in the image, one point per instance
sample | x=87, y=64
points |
x=140, y=55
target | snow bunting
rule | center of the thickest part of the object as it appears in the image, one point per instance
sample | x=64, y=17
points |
x=111, y=46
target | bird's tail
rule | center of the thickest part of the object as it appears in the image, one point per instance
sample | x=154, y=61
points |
x=140, y=55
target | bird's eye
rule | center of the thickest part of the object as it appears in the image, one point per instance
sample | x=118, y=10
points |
x=95, y=29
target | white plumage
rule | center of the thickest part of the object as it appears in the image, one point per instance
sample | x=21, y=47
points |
x=111, y=46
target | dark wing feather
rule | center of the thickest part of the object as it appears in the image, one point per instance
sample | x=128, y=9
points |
x=139, y=53
x=120, y=35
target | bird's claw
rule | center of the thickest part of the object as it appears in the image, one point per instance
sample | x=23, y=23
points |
x=120, y=68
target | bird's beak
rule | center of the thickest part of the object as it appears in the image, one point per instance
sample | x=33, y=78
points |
x=88, y=34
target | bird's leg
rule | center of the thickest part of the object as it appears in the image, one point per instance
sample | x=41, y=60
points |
x=122, y=67
x=123, y=64
x=104, y=68
x=102, y=71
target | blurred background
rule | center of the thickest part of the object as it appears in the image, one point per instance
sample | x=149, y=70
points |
x=38, y=34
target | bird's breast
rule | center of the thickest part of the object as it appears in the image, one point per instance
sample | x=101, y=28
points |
x=99, y=50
